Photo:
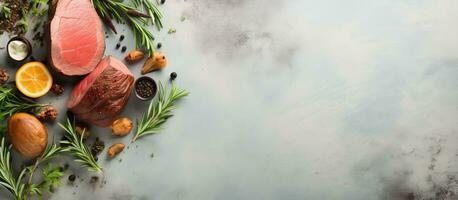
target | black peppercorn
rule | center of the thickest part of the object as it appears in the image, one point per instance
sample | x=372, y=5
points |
x=118, y=45
x=162, y=1
x=71, y=178
x=66, y=166
x=173, y=75
x=159, y=45
x=94, y=179
x=121, y=38
x=124, y=48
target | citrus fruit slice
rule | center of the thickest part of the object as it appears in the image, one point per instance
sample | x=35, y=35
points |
x=33, y=79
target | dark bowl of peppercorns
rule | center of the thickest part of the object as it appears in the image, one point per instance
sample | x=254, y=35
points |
x=145, y=88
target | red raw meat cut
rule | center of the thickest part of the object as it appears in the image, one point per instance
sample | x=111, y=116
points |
x=102, y=95
x=76, y=35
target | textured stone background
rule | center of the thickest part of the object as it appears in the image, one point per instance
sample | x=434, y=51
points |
x=296, y=99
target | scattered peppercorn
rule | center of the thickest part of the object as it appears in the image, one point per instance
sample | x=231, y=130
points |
x=159, y=45
x=173, y=75
x=94, y=179
x=71, y=178
x=66, y=166
x=57, y=89
x=124, y=48
x=118, y=45
x=162, y=1
x=121, y=38
x=4, y=76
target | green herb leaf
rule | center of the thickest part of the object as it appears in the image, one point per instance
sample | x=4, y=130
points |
x=118, y=11
x=10, y=103
x=74, y=145
x=5, y=11
x=158, y=112
x=7, y=179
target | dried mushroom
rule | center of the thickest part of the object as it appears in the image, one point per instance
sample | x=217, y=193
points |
x=121, y=126
x=4, y=76
x=115, y=149
x=156, y=62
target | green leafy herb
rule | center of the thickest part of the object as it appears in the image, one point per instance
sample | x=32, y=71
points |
x=7, y=179
x=38, y=7
x=5, y=11
x=52, y=175
x=158, y=112
x=49, y=153
x=152, y=11
x=74, y=145
x=122, y=12
x=171, y=31
x=16, y=186
x=11, y=103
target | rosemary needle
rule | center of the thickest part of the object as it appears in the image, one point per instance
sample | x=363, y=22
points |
x=158, y=112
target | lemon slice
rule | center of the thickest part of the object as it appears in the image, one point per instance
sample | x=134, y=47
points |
x=33, y=79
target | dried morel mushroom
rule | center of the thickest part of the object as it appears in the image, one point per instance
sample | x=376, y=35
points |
x=4, y=76
x=47, y=113
x=97, y=147
x=57, y=89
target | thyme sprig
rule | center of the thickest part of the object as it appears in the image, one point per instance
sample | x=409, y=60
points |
x=122, y=12
x=158, y=112
x=74, y=145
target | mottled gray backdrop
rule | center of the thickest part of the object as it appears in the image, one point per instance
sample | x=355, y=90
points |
x=297, y=99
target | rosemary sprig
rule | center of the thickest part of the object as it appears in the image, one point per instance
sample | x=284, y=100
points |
x=11, y=103
x=7, y=179
x=158, y=112
x=15, y=185
x=152, y=10
x=122, y=12
x=74, y=145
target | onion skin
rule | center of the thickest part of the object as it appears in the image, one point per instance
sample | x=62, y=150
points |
x=27, y=134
